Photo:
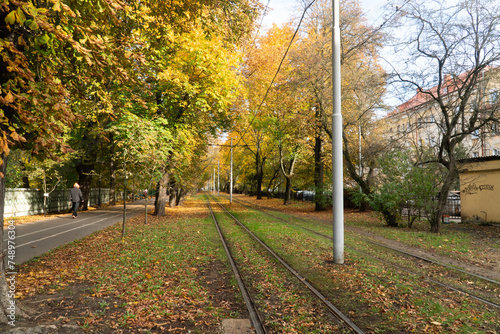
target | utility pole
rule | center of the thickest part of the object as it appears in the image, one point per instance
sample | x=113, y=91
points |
x=124, y=192
x=218, y=177
x=360, y=164
x=337, y=159
x=231, y=176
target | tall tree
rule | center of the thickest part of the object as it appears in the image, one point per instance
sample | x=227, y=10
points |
x=193, y=60
x=266, y=71
x=37, y=43
x=195, y=91
x=454, y=48
x=291, y=129
x=362, y=84
x=257, y=142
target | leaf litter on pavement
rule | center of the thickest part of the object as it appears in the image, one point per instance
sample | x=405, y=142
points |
x=153, y=279
x=170, y=275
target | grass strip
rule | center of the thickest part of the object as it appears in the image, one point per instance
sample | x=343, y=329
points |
x=393, y=301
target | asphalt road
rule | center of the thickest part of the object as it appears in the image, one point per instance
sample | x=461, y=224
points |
x=36, y=238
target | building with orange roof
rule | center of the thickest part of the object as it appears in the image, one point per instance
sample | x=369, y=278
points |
x=417, y=122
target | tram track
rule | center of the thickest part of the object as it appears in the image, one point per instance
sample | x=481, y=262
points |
x=255, y=319
x=390, y=263
x=347, y=322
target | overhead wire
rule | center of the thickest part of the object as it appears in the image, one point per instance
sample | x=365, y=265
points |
x=288, y=48
x=277, y=71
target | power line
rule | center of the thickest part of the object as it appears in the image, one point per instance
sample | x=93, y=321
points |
x=277, y=71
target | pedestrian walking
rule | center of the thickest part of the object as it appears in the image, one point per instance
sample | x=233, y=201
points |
x=75, y=197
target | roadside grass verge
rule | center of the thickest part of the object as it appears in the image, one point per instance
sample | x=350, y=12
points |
x=281, y=299
x=172, y=275
x=461, y=281
x=479, y=287
x=374, y=295
x=463, y=241
x=161, y=276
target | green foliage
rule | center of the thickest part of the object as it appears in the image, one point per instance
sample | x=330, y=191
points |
x=77, y=75
x=197, y=82
x=41, y=172
x=138, y=137
x=403, y=183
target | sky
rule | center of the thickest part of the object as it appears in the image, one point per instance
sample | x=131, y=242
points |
x=284, y=9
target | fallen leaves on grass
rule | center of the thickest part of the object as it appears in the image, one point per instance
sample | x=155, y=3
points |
x=151, y=275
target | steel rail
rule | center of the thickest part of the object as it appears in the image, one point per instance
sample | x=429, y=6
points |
x=252, y=310
x=399, y=267
x=428, y=279
x=335, y=311
x=394, y=249
x=434, y=261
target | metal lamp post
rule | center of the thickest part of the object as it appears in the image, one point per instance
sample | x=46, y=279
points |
x=337, y=159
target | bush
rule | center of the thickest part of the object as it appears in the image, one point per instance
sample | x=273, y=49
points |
x=402, y=181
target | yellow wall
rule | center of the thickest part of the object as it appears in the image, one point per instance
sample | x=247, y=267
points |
x=480, y=190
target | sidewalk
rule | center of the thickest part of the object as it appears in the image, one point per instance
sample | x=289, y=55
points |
x=36, y=237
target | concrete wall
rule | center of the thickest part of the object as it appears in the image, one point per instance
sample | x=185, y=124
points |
x=480, y=189
x=25, y=202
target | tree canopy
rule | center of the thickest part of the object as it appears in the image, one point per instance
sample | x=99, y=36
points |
x=96, y=84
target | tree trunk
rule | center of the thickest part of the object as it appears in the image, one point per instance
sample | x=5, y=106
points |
x=25, y=179
x=259, y=174
x=161, y=196
x=84, y=171
x=180, y=196
x=319, y=198
x=10, y=308
x=351, y=169
x=288, y=191
x=288, y=174
x=172, y=199
x=112, y=177
x=437, y=215
x=271, y=181
x=259, y=186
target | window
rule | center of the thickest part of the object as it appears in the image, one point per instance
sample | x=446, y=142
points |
x=496, y=151
x=494, y=95
x=475, y=154
x=494, y=128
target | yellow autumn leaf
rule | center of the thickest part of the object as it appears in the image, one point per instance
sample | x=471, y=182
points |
x=10, y=19
x=57, y=7
x=9, y=98
x=16, y=137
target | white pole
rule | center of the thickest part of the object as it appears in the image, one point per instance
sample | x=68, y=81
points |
x=218, y=177
x=360, y=157
x=337, y=159
x=231, y=176
x=213, y=183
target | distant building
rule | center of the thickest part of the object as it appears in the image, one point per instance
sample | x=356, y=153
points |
x=418, y=122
